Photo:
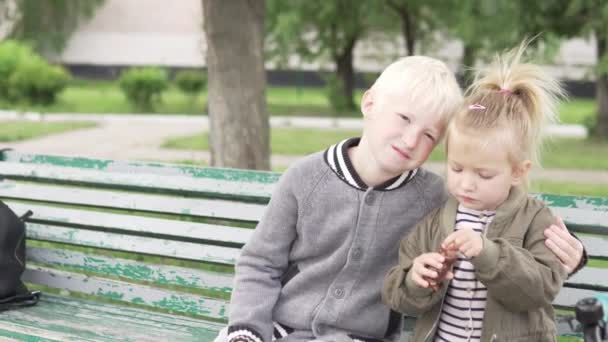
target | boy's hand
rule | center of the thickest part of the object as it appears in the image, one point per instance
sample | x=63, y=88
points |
x=466, y=241
x=425, y=270
x=568, y=249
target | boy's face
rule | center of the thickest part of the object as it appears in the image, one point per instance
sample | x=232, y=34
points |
x=401, y=135
x=480, y=174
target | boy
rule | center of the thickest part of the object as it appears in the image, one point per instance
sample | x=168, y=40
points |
x=314, y=267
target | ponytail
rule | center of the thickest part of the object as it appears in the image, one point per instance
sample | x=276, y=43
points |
x=514, y=95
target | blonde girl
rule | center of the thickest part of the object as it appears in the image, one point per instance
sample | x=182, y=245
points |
x=503, y=280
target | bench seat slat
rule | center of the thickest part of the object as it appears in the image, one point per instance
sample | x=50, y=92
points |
x=215, y=208
x=596, y=246
x=127, y=166
x=132, y=270
x=57, y=318
x=138, y=244
x=126, y=292
x=143, y=178
x=567, y=297
x=88, y=218
x=596, y=278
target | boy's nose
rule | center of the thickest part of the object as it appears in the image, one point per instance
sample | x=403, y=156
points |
x=411, y=138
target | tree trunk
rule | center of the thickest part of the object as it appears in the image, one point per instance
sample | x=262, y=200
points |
x=601, y=128
x=407, y=30
x=346, y=72
x=468, y=62
x=238, y=122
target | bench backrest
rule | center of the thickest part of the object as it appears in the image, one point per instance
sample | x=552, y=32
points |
x=167, y=236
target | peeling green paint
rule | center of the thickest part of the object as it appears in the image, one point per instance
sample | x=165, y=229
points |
x=263, y=177
x=110, y=294
x=180, y=304
x=138, y=300
x=563, y=201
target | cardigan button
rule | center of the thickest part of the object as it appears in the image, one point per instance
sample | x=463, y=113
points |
x=339, y=292
x=369, y=199
x=357, y=253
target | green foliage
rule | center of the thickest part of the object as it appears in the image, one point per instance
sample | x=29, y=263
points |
x=191, y=82
x=419, y=21
x=12, y=54
x=143, y=86
x=37, y=82
x=48, y=24
x=26, y=77
x=334, y=91
x=318, y=30
x=321, y=31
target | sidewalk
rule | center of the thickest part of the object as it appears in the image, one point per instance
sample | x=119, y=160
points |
x=139, y=137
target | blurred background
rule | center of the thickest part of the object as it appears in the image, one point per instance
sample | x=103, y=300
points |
x=258, y=84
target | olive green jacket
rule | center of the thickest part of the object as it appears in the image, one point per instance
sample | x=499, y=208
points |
x=522, y=275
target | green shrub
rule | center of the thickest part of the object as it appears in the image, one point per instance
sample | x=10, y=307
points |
x=143, y=86
x=190, y=82
x=37, y=82
x=12, y=54
x=334, y=90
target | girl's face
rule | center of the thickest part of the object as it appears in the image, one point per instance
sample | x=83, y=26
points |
x=480, y=174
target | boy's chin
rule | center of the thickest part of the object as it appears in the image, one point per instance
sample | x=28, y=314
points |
x=400, y=169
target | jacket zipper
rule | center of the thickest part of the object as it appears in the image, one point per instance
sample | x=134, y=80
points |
x=434, y=327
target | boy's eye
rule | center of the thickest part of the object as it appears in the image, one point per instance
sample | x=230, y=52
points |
x=404, y=117
x=430, y=136
x=456, y=169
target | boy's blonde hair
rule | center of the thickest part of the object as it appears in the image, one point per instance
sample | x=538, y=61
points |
x=512, y=100
x=425, y=81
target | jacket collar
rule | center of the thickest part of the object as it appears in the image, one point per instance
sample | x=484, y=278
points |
x=504, y=212
x=336, y=156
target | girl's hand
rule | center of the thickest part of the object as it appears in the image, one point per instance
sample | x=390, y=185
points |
x=425, y=270
x=466, y=241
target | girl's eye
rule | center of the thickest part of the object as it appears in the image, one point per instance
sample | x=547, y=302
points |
x=456, y=169
x=404, y=117
x=484, y=176
x=430, y=136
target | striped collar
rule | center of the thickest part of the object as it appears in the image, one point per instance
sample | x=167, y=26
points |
x=337, y=158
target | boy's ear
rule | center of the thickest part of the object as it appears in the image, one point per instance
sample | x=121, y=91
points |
x=367, y=102
x=520, y=172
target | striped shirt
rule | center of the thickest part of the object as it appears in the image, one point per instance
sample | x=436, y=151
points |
x=461, y=317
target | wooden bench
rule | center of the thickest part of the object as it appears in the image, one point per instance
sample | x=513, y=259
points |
x=145, y=251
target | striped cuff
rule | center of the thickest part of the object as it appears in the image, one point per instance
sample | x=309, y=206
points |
x=280, y=331
x=241, y=333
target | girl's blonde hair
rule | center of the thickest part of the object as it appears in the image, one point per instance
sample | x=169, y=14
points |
x=514, y=100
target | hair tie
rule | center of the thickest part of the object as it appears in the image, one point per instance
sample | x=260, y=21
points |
x=505, y=91
x=477, y=106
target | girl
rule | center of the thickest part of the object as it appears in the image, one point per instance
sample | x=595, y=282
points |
x=501, y=277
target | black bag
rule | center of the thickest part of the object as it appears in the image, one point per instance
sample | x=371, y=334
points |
x=13, y=293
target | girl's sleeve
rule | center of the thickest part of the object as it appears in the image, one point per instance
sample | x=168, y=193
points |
x=521, y=278
x=399, y=291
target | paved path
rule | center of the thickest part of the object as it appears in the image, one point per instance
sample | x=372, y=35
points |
x=137, y=137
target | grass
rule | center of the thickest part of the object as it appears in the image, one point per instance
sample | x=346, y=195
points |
x=577, y=111
x=11, y=131
x=290, y=141
x=559, y=153
x=569, y=188
x=84, y=97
